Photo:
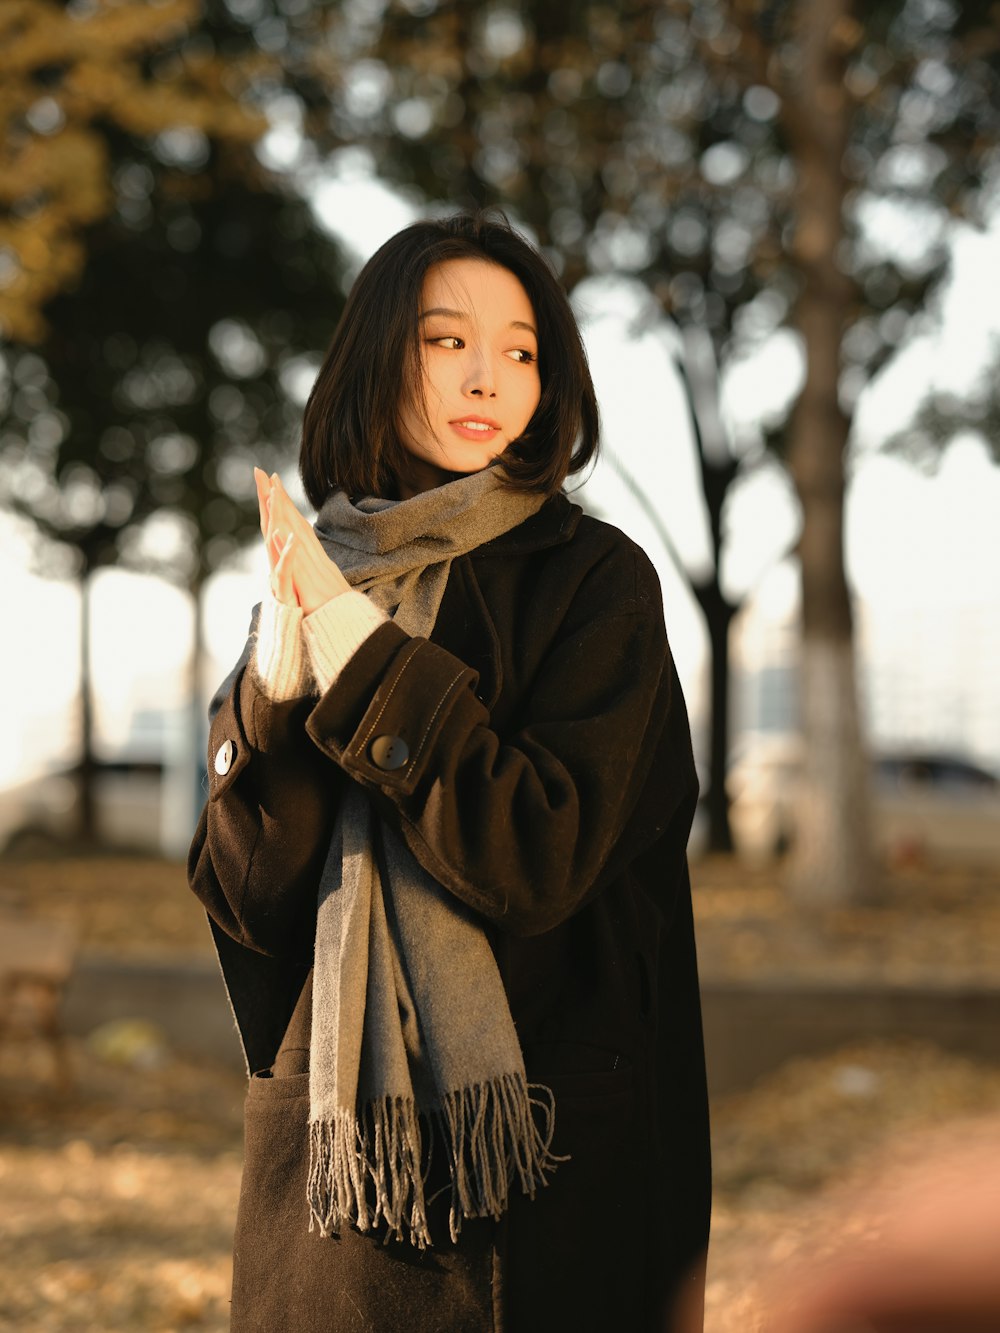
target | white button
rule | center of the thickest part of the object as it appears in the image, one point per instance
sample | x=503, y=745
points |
x=224, y=758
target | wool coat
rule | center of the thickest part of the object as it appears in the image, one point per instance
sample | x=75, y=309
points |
x=548, y=783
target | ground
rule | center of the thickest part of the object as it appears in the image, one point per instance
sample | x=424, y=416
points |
x=119, y=1197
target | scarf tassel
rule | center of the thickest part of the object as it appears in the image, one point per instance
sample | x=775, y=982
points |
x=490, y=1135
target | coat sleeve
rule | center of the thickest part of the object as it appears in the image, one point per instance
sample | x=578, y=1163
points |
x=520, y=826
x=259, y=848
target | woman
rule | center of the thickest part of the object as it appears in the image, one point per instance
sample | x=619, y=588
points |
x=443, y=853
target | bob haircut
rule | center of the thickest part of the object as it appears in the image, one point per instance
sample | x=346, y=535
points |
x=350, y=429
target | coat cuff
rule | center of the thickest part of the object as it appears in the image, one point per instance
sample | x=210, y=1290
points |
x=380, y=731
x=279, y=659
x=335, y=632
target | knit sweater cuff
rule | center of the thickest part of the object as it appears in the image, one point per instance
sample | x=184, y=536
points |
x=279, y=659
x=335, y=632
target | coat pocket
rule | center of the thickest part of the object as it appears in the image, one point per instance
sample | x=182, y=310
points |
x=593, y=1093
x=288, y=1277
x=266, y=1087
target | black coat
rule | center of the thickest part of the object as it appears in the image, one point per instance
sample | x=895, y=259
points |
x=549, y=784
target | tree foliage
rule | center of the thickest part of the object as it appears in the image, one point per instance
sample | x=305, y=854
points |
x=65, y=72
x=939, y=417
x=196, y=298
x=658, y=140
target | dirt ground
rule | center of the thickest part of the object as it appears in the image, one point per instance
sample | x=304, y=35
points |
x=119, y=1196
x=931, y=922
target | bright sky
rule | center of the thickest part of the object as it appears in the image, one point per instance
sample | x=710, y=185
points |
x=921, y=551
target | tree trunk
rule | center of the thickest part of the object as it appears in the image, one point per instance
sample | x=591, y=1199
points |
x=182, y=795
x=197, y=737
x=717, y=469
x=718, y=614
x=86, y=809
x=832, y=858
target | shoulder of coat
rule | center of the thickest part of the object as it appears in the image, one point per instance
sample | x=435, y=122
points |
x=589, y=551
x=620, y=560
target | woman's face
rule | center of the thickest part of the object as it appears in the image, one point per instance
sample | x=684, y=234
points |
x=479, y=356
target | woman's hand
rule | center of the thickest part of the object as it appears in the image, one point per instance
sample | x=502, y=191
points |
x=278, y=545
x=301, y=571
x=916, y=1252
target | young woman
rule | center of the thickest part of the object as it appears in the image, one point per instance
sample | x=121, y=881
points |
x=443, y=853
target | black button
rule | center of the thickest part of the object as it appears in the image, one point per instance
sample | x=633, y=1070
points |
x=389, y=752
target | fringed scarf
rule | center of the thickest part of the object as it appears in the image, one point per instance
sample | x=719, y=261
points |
x=412, y=1038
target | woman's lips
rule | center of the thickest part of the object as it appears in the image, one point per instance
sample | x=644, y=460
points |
x=475, y=428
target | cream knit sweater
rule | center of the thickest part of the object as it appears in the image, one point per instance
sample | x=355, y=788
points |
x=297, y=654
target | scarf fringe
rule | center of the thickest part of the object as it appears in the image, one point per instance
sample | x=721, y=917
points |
x=490, y=1135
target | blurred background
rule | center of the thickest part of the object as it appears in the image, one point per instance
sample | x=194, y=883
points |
x=779, y=223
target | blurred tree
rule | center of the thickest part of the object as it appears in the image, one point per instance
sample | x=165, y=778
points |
x=940, y=417
x=195, y=295
x=63, y=70
x=717, y=469
x=766, y=167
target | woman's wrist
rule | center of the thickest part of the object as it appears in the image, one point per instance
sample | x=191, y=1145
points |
x=280, y=660
x=334, y=632
x=315, y=592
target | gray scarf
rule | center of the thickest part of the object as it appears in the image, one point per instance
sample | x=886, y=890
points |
x=412, y=1037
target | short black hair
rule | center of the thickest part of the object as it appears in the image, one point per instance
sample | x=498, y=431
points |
x=350, y=429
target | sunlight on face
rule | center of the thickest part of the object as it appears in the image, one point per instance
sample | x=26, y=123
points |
x=479, y=349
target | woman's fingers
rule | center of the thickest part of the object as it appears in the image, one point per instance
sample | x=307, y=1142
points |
x=308, y=575
x=263, y=485
x=277, y=513
x=288, y=516
x=306, y=558
x=273, y=537
x=301, y=571
x=317, y=578
x=282, y=583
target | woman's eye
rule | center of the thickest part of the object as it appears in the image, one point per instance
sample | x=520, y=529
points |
x=448, y=340
x=523, y=356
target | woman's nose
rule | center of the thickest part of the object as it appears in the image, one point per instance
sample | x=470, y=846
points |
x=479, y=382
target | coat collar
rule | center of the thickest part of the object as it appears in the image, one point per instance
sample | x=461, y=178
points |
x=553, y=524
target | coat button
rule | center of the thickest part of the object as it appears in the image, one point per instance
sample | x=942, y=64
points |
x=224, y=758
x=389, y=752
